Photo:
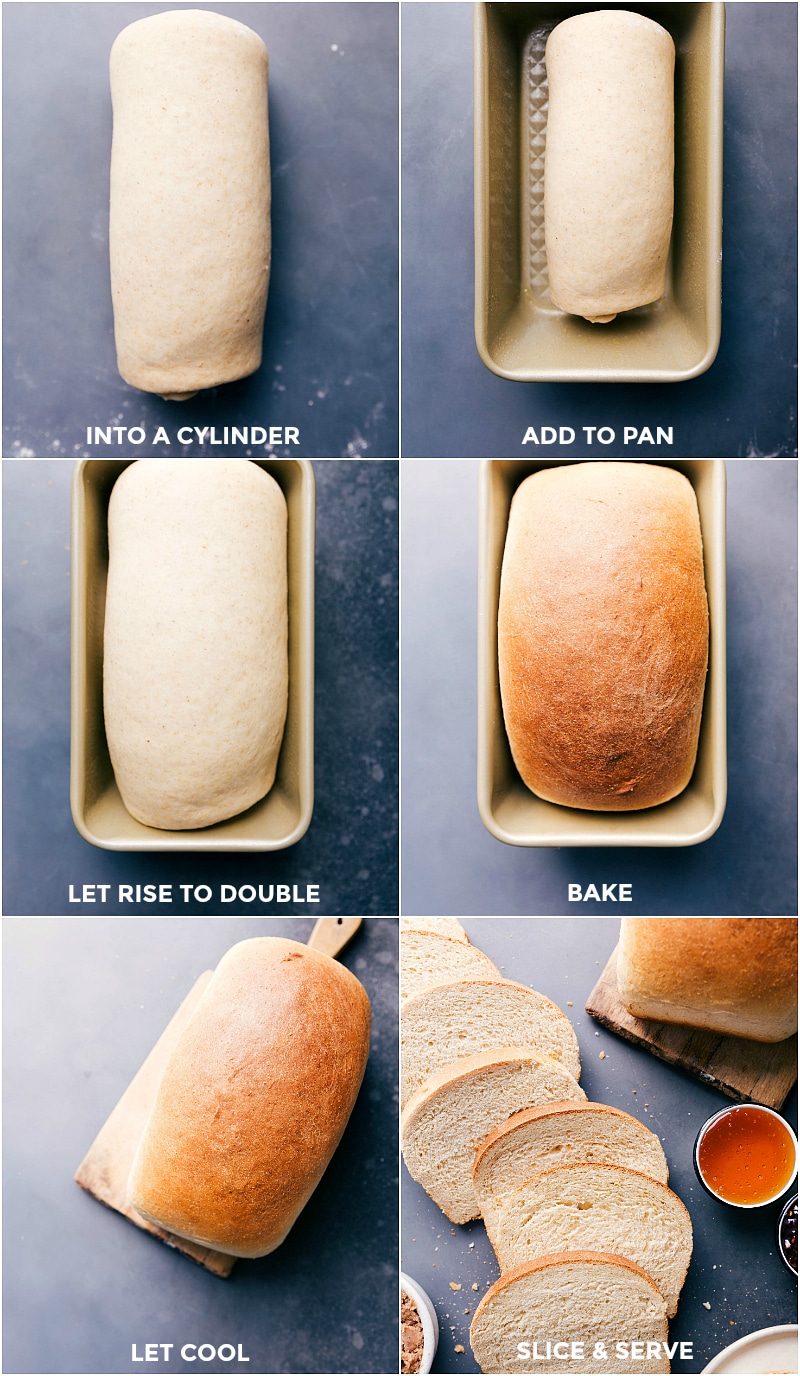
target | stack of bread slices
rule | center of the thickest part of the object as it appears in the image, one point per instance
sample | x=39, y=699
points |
x=592, y=1245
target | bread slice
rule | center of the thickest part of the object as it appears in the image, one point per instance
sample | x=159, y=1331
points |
x=602, y=1209
x=538, y=1139
x=459, y=1105
x=571, y=1297
x=443, y=926
x=430, y=958
x=447, y=1022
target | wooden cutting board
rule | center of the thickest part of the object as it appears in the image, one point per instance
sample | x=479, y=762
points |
x=763, y=1072
x=105, y=1168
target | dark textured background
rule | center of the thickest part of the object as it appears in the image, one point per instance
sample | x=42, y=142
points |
x=735, y=1269
x=452, y=865
x=350, y=849
x=84, y=1003
x=330, y=343
x=745, y=405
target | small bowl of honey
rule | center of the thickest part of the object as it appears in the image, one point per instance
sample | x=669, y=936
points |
x=746, y=1156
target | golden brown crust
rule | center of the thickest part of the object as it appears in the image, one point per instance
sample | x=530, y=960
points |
x=736, y=975
x=254, y=1099
x=603, y=634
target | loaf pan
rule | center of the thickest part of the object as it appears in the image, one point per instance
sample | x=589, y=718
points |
x=98, y=811
x=508, y=808
x=519, y=333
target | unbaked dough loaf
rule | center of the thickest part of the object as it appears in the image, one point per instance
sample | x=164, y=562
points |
x=189, y=230
x=609, y=161
x=195, y=671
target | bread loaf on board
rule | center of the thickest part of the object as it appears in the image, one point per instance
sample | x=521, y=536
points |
x=603, y=634
x=189, y=232
x=736, y=975
x=195, y=666
x=609, y=162
x=254, y=1099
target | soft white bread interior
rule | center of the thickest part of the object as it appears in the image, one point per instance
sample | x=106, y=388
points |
x=736, y=975
x=254, y=1098
x=560, y=1134
x=448, y=1022
x=599, y=1209
x=573, y=1297
x=454, y=1111
x=443, y=926
x=428, y=957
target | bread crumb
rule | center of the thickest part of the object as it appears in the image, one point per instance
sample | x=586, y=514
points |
x=466, y=1311
x=706, y=1304
x=569, y=1003
x=602, y=1056
x=453, y=1285
x=475, y=1285
x=459, y=1347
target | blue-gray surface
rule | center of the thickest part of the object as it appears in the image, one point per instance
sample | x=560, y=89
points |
x=84, y=1003
x=744, y=405
x=450, y=864
x=330, y=342
x=350, y=849
x=735, y=1271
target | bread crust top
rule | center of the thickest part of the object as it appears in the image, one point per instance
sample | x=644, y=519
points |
x=603, y=634
x=254, y=1099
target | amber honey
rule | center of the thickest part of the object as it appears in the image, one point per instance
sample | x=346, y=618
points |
x=747, y=1156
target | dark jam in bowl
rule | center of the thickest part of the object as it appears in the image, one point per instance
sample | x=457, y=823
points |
x=787, y=1235
x=746, y=1155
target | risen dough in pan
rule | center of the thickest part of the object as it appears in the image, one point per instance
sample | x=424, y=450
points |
x=195, y=672
x=189, y=228
x=609, y=160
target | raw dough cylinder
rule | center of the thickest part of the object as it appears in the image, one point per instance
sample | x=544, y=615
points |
x=195, y=668
x=189, y=230
x=609, y=162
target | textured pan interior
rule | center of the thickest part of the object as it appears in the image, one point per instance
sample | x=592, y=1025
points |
x=508, y=809
x=280, y=818
x=520, y=334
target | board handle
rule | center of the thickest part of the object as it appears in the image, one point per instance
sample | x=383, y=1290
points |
x=330, y=934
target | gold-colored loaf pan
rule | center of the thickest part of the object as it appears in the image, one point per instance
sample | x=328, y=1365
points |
x=283, y=815
x=508, y=809
x=519, y=332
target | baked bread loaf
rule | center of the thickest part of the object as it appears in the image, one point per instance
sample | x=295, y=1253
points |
x=189, y=231
x=599, y=1209
x=254, y=1099
x=448, y=1022
x=609, y=162
x=427, y=957
x=195, y=663
x=572, y=1297
x=456, y=1109
x=736, y=975
x=560, y=1134
x=603, y=634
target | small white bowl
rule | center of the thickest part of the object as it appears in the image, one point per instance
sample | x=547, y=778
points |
x=770, y=1349
x=430, y=1323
